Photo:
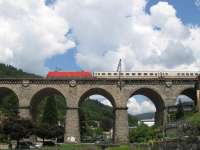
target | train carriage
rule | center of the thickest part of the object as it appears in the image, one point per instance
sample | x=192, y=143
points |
x=124, y=75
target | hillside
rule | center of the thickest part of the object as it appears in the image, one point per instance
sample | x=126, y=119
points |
x=10, y=71
x=144, y=116
x=94, y=110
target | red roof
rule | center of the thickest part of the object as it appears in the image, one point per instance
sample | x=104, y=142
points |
x=80, y=74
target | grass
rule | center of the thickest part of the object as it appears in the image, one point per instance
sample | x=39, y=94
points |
x=78, y=147
x=85, y=147
x=90, y=147
x=122, y=147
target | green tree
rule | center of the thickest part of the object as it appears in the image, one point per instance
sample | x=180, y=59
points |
x=142, y=133
x=9, y=105
x=43, y=131
x=17, y=129
x=50, y=115
x=180, y=111
x=106, y=124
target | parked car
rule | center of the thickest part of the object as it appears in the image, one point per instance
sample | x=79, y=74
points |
x=49, y=143
x=25, y=145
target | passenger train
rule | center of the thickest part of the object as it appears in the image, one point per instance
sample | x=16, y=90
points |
x=124, y=75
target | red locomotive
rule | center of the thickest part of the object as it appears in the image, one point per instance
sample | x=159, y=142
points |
x=77, y=74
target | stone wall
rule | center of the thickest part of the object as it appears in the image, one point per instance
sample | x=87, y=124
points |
x=162, y=93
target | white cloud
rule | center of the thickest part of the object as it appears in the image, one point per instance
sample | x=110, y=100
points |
x=31, y=32
x=183, y=98
x=101, y=99
x=109, y=30
x=136, y=107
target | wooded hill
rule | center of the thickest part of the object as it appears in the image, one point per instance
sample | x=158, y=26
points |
x=8, y=71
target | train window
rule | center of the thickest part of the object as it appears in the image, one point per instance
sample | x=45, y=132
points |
x=109, y=74
x=127, y=74
x=99, y=74
x=145, y=74
x=115, y=74
x=196, y=74
x=133, y=74
x=139, y=74
x=183, y=74
x=187, y=74
x=178, y=74
x=121, y=74
x=151, y=74
x=103, y=74
x=156, y=74
x=166, y=74
x=191, y=74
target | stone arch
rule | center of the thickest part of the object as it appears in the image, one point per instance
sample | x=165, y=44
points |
x=37, y=98
x=4, y=91
x=97, y=91
x=157, y=100
x=104, y=93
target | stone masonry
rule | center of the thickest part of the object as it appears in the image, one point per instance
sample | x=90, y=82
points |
x=162, y=92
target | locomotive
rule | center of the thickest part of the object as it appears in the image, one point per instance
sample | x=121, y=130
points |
x=124, y=74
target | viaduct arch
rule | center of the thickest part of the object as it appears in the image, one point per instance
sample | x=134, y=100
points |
x=102, y=92
x=157, y=100
x=163, y=93
x=13, y=110
x=39, y=96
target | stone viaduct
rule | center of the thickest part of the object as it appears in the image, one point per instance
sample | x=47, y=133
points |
x=162, y=92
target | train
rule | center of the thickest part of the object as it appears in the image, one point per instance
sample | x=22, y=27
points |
x=124, y=74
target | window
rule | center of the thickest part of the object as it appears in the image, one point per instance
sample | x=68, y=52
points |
x=103, y=74
x=115, y=74
x=109, y=74
x=166, y=74
x=187, y=74
x=178, y=74
x=145, y=74
x=121, y=74
x=133, y=74
x=156, y=74
x=196, y=74
x=99, y=74
x=183, y=74
x=151, y=74
x=127, y=74
x=139, y=74
x=191, y=74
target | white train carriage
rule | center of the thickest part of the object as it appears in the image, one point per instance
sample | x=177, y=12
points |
x=147, y=74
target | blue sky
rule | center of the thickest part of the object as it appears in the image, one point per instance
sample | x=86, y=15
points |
x=187, y=11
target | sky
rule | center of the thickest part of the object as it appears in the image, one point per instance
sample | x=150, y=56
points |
x=38, y=36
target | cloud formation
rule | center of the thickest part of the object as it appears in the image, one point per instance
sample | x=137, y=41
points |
x=31, y=32
x=136, y=106
x=104, y=31
x=109, y=30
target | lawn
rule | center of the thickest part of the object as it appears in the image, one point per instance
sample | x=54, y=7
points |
x=78, y=147
x=91, y=147
x=122, y=147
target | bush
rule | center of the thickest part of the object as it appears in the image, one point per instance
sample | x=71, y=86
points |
x=142, y=133
x=17, y=128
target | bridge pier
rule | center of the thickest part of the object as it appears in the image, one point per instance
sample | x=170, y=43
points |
x=121, y=131
x=72, y=129
x=198, y=100
x=24, y=112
